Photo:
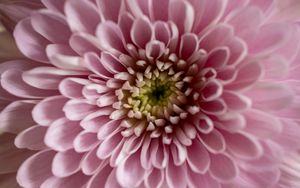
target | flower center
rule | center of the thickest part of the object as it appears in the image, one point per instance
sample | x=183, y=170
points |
x=155, y=93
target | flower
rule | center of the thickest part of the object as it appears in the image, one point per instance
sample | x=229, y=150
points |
x=144, y=93
x=290, y=171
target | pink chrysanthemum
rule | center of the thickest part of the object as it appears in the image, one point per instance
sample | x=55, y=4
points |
x=151, y=93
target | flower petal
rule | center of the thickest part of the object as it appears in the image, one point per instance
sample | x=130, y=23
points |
x=271, y=96
x=61, y=134
x=66, y=163
x=29, y=42
x=85, y=141
x=74, y=180
x=236, y=144
x=76, y=109
x=141, y=32
x=32, y=138
x=77, y=12
x=130, y=173
x=213, y=141
x=262, y=124
x=111, y=38
x=51, y=26
x=36, y=169
x=198, y=165
x=16, y=117
x=109, y=10
x=223, y=168
x=182, y=14
x=12, y=82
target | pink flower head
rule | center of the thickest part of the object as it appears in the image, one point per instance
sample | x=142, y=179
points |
x=151, y=93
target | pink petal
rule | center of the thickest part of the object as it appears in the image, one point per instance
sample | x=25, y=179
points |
x=206, y=181
x=61, y=134
x=75, y=180
x=62, y=56
x=175, y=175
x=16, y=117
x=29, y=42
x=188, y=45
x=155, y=178
x=238, y=50
x=204, y=124
x=91, y=121
x=178, y=152
x=94, y=64
x=66, y=163
x=125, y=23
x=271, y=96
x=55, y=5
x=111, y=38
x=236, y=144
x=31, y=138
x=159, y=154
x=268, y=39
x=100, y=177
x=217, y=35
x=145, y=158
x=72, y=87
x=264, y=5
x=214, y=141
x=107, y=128
x=138, y=8
x=129, y=172
x=85, y=141
x=109, y=10
x=162, y=32
x=262, y=124
x=12, y=82
x=215, y=107
x=157, y=10
x=235, y=101
x=237, y=19
x=212, y=13
x=182, y=14
x=36, y=169
x=218, y=57
x=77, y=12
x=48, y=110
x=21, y=65
x=231, y=122
x=223, y=168
x=288, y=138
x=107, y=147
x=247, y=75
x=46, y=77
x=182, y=137
x=90, y=162
x=155, y=49
x=111, y=63
x=51, y=26
x=132, y=144
x=76, y=109
x=212, y=90
x=141, y=32
x=198, y=165
x=276, y=67
x=83, y=43
x=112, y=180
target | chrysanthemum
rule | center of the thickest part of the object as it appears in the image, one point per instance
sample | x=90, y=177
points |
x=151, y=93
